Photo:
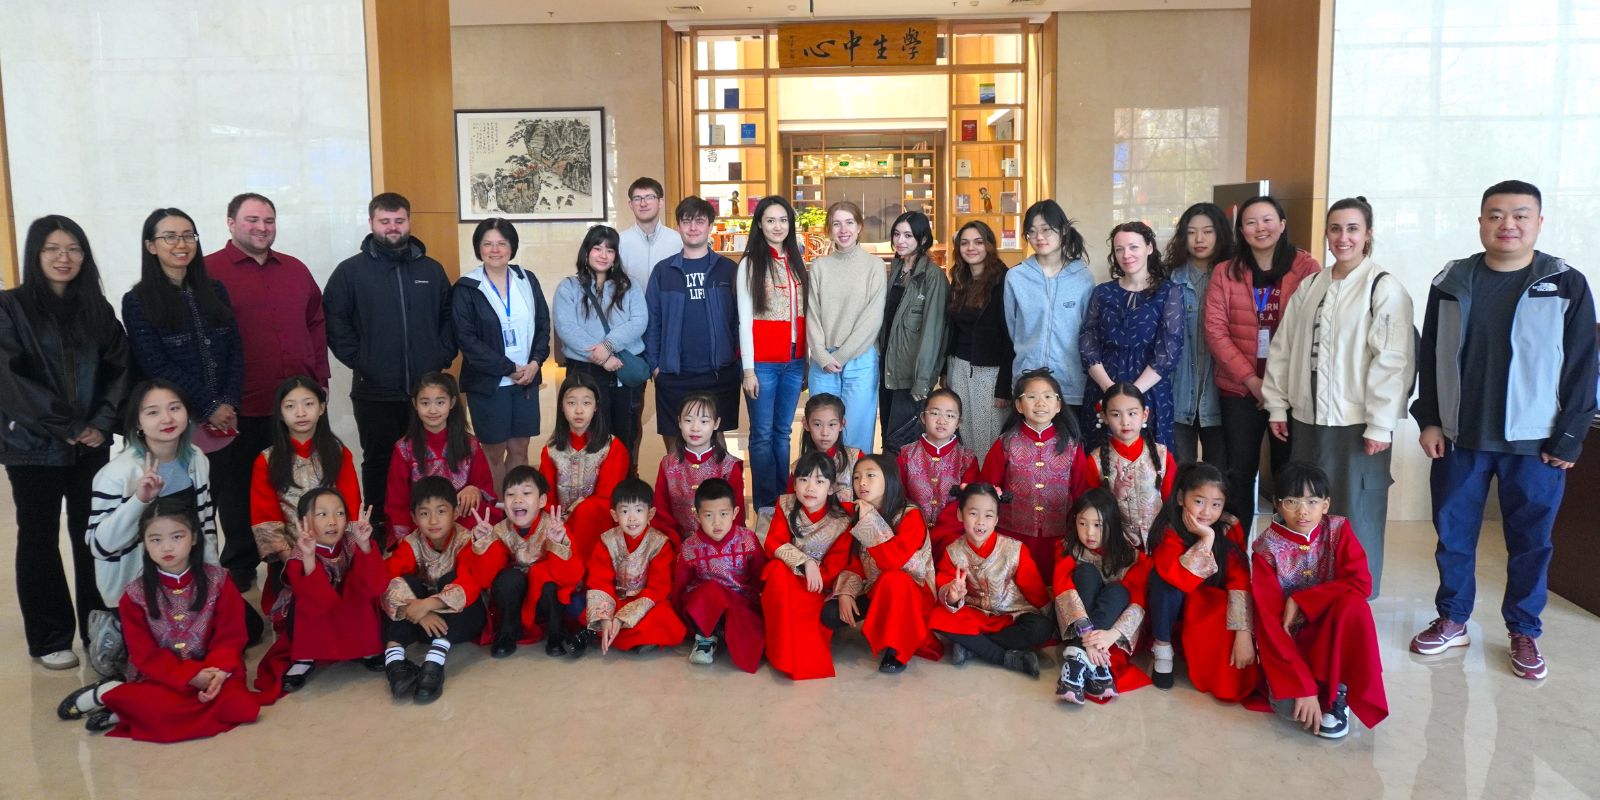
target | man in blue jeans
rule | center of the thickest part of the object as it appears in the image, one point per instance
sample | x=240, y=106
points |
x=1507, y=390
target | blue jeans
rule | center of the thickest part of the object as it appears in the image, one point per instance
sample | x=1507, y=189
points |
x=1530, y=495
x=1165, y=604
x=771, y=420
x=857, y=386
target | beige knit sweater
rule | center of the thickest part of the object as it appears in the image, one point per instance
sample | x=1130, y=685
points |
x=846, y=295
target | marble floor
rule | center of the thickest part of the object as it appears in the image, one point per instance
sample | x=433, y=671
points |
x=1461, y=726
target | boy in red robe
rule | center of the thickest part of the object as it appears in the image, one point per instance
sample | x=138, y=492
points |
x=630, y=579
x=535, y=573
x=1319, y=647
x=717, y=580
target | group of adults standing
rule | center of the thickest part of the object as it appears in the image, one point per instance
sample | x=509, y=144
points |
x=1231, y=332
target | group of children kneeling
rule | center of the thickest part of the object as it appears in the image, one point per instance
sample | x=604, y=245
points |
x=926, y=553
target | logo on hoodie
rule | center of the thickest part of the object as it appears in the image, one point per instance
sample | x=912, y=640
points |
x=1542, y=289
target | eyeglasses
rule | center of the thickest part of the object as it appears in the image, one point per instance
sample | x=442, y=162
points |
x=174, y=238
x=1303, y=502
x=643, y=198
x=1048, y=397
x=1040, y=233
x=51, y=251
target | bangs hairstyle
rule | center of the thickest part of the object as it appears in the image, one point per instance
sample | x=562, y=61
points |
x=163, y=302
x=1153, y=263
x=921, y=231
x=893, y=506
x=130, y=421
x=430, y=488
x=82, y=312
x=715, y=489
x=972, y=292
x=814, y=404
x=599, y=432
x=326, y=449
x=1169, y=522
x=1357, y=203
x=758, y=252
x=1117, y=554
x=499, y=225
x=705, y=402
x=457, y=436
x=525, y=473
x=308, y=501
x=964, y=494
x=815, y=463
x=1178, y=248
x=1049, y=212
x=150, y=578
x=1300, y=479
x=1282, y=255
x=596, y=236
x=694, y=207
x=1147, y=433
x=632, y=490
x=1065, y=421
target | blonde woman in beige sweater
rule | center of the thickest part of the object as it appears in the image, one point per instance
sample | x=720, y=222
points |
x=844, y=313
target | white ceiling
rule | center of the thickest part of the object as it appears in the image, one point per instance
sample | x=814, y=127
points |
x=515, y=12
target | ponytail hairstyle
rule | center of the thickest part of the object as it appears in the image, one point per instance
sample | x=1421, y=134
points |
x=162, y=301
x=759, y=253
x=1148, y=433
x=894, y=505
x=978, y=489
x=457, y=436
x=1065, y=421
x=308, y=501
x=1178, y=248
x=1153, y=262
x=815, y=403
x=707, y=402
x=1169, y=522
x=1282, y=256
x=184, y=512
x=1049, y=212
x=599, y=432
x=819, y=463
x=1358, y=203
x=1117, y=554
x=325, y=447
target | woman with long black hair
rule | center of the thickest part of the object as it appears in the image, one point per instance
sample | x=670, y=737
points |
x=63, y=378
x=600, y=315
x=771, y=290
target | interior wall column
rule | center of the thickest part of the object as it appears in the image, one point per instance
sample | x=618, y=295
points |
x=1291, y=65
x=10, y=267
x=412, y=117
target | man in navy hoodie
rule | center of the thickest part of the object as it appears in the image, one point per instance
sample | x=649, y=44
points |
x=1506, y=378
x=692, y=340
x=388, y=316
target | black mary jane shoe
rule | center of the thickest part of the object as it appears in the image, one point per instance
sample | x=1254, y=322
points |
x=555, y=646
x=402, y=676
x=294, y=683
x=68, y=709
x=1162, y=680
x=504, y=645
x=430, y=684
x=890, y=665
x=578, y=644
x=99, y=721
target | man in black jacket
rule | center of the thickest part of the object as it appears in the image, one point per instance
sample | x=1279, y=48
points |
x=388, y=315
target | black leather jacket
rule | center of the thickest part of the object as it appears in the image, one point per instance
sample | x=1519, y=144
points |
x=49, y=394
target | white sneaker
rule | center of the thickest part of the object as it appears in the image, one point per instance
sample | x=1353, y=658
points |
x=60, y=659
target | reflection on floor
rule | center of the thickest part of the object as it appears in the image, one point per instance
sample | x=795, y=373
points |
x=654, y=726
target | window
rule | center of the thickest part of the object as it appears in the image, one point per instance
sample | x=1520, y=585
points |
x=1161, y=160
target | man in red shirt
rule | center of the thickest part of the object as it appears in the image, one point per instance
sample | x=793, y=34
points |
x=279, y=308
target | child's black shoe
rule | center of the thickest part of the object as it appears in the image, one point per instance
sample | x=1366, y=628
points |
x=579, y=643
x=430, y=684
x=402, y=676
x=504, y=645
x=555, y=646
x=1023, y=661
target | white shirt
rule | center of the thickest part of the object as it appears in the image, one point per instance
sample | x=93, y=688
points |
x=640, y=254
x=515, y=320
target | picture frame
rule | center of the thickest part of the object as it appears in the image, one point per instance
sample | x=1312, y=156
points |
x=531, y=164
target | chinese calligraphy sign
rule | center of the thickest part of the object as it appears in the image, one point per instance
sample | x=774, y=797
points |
x=858, y=44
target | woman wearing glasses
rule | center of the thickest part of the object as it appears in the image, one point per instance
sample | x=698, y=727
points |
x=63, y=377
x=1047, y=296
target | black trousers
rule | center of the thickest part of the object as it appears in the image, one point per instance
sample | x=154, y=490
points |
x=897, y=414
x=622, y=405
x=464, y=626
x=47, y=610
x=379, y=423
x=231, y=469
x=1194, y=443
x=510, y=589
x=830, y=612
x=1243, y=425
x=1104, y=601
x=1027, y=632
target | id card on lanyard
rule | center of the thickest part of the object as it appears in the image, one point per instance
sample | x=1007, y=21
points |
x=1263, y=333
x=508, y=333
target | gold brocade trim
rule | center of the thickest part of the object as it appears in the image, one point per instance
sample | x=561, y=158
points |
x=396, y=597
x=454, y=598
x=632, y=569
x=1238, y=610
x=849, y=584
x=601, y=608
x=992, y=582
x=1069, y=609
x=1128, y=624
x=871, y=529
x=791, y=555
x=272, y=540
x=1199, y=560
x=632, y=613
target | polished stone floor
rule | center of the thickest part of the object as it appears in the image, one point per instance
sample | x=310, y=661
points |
x=1461, y=726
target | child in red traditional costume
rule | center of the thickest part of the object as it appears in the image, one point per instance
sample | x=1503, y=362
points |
x=630, y=579
x=824, y=433
x=809, y=544
x=535, y=573
x=1138, y=471
x=1319, y=647
x=582, y=462
x=991, y=595
x=932, y=468
x=438, y=442
x=336, y=577
x=301, y=458
x=1038, y=462
x=1099, y=585
x=887, y=590
x=183, y=622
x=716, y=581
x=1201, y=576
x=435, y=592
x=697, y=454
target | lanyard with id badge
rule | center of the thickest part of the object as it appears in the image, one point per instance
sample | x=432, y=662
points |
x=508, y=332
x=1263, y=333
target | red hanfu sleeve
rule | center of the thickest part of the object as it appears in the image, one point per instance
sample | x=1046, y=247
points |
x=367, y=576
x=777, y=533
x=1169, y=473
x=612, y=470
x=1351, y=576
x=1061, y=578
x=658, y=577
x=1287, y=671
x=1082, y=473
x=470, y=569
x=664, y=521
x=1167, y=566
x=943, y=574
x=1137, y=578
x=313, y=590
x=736, y=480
x=547, y=468
x=225, y=647
x=349, y=487
x=909, y=533
x=993, y=470
x=397, y=499
x=402, y=562
x=1031, y=582
x=264, y=506
x=154, y=661
x=478, y=475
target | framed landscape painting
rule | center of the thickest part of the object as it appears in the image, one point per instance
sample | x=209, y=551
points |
x=531, y=165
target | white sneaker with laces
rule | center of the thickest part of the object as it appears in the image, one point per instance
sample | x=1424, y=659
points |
x=60, y=659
